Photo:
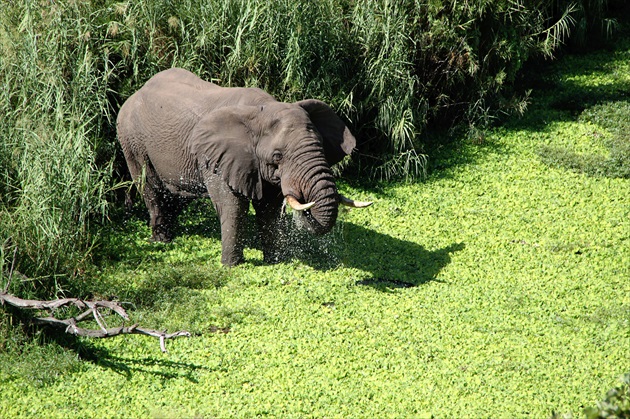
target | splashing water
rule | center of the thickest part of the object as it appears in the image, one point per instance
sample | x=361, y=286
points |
x=324, y=251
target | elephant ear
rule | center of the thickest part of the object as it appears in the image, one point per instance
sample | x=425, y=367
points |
x=338, y=140
x=223, y=144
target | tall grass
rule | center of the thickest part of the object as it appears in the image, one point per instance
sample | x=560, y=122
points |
x=390, y=68
x=53, y=109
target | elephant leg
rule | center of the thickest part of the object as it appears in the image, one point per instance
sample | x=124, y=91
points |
x=164, y=215
x=163, y=206
x=163, y=210
x=232, y=211
x=271, y=226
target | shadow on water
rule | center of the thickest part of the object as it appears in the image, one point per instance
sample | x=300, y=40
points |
x=561, y=91
x=389, y=261
x=126, y=366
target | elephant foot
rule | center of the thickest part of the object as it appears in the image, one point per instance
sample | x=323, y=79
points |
x=161, y=234
x=230, y=261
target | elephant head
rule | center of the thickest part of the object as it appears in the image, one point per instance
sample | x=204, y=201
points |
x=291, y=146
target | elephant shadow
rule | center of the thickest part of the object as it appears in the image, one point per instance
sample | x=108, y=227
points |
x=391, y=262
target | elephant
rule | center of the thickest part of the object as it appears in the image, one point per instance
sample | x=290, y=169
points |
x=185, y=138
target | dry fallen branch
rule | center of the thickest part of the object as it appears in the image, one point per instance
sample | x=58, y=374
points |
x=91, y=311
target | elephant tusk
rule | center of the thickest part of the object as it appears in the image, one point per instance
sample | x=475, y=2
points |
x=354, y=204
x=295, y=204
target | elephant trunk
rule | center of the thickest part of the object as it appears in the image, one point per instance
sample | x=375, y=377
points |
x=321, y=217
x=315, y=184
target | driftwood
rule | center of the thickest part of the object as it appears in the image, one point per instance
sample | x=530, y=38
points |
x=91, y=311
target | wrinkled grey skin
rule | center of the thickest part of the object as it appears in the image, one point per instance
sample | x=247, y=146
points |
x=191, y=138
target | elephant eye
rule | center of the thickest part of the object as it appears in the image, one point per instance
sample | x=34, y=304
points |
x=277, y=157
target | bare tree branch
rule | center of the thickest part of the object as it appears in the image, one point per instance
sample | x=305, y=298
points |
x=91, y=310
